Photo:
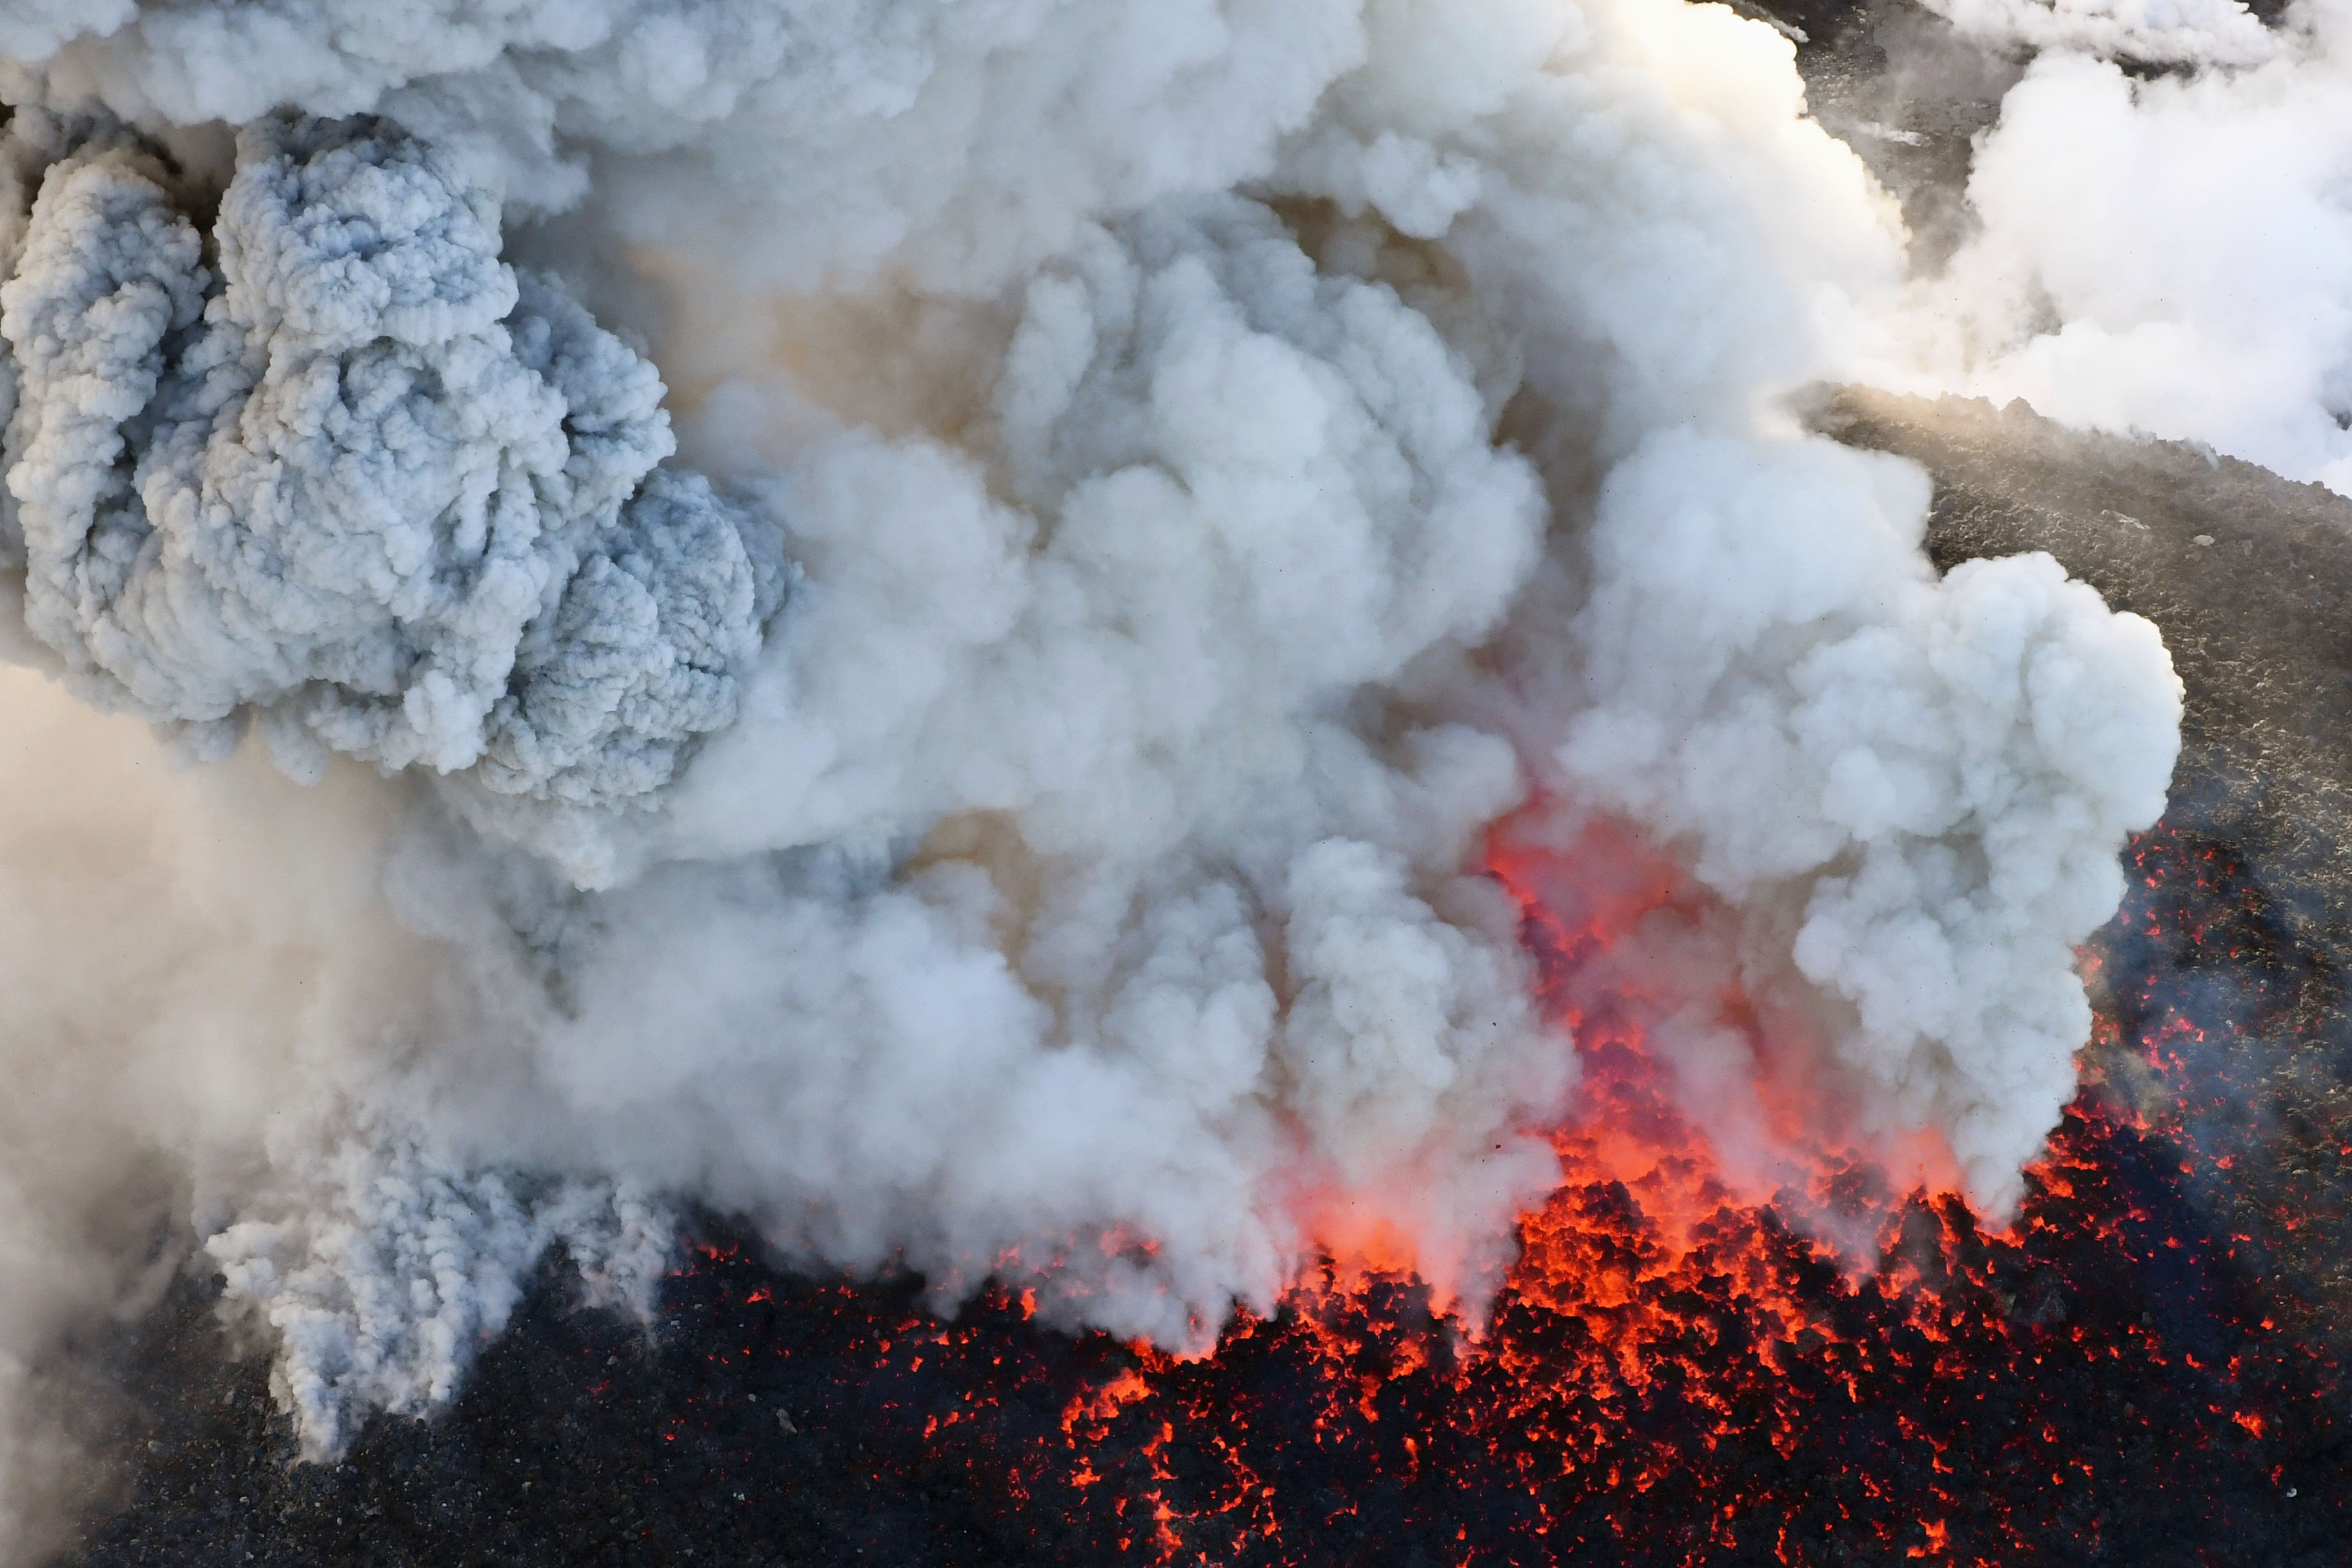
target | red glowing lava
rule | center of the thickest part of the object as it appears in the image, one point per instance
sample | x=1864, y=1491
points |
x=1666, y=1340
x=1675, y=1372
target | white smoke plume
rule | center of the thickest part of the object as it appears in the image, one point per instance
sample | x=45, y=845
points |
x=1165, y=480
x=2160, y=32
x=2167, y=255
x=1925, y=775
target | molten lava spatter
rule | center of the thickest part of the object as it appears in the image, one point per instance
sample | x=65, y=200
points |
x=1676, y=1373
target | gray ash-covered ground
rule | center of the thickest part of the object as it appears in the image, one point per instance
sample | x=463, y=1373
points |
x=1894, y=82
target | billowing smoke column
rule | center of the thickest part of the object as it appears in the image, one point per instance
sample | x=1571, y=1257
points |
x=2167, y=254
x=1166, y=479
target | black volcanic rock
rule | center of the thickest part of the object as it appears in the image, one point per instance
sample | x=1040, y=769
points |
x=582, y=1438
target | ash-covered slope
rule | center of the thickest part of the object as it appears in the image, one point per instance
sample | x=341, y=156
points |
x=1899, y=85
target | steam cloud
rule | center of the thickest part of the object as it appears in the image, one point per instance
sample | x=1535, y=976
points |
x=2170, y=256
x=1163, y=481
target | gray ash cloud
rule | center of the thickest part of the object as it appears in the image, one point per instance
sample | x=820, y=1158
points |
x=329, y=464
